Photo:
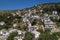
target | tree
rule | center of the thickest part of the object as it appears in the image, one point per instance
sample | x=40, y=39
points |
x=12, y=35
x=34, y=22
x=45, y=35
x=40, y=30
x=28, y=36
x=57, y=34
x=58, y=24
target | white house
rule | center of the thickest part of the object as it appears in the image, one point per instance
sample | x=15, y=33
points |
x=46, y=16
x=8, y=17
x=32, y=28
x=12, y=30
x=35, y=17
x=17, y=38
x=55, y=13
x=34, y=11
x=3, y=37
x=18, y=12
x=41, y=10
x=13, y=14
x=49, y=24
x=2, y=23
x=19, y=32
x=4, y=32
x=30, y=12
x=14, y=25
x=35, y=34
x=25, y=20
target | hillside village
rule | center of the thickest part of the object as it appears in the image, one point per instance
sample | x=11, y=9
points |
x=38, y=23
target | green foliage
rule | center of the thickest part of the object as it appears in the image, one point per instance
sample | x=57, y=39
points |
x=40, y=30
x=47, y=31
x=57, y=34
x=21, y=28
x=9, y=21
x=40, y=22
x=28, y=36
x=58, y=24
x=55, y=19
x=12, y=35
x=45, y=35
x=34, y=22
